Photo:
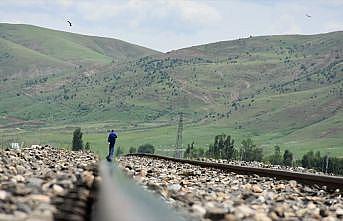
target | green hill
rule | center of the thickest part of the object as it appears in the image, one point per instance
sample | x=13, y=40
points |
x=284, y=90
x=25, y=48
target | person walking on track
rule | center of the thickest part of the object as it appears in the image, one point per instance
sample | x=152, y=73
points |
x=111, y=140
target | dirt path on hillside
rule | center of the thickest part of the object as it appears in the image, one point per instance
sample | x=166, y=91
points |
x=15, y=122
x=247, y=84
x=206, y=98
x=235, y=95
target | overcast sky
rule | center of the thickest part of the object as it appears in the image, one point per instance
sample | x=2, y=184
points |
x=165, y=25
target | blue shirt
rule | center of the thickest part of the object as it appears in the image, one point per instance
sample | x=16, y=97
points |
x=112, y=137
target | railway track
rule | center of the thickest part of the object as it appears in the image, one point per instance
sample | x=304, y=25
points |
x=333, y=183
x=217, y=192
x=46, y=183
x=111, y=198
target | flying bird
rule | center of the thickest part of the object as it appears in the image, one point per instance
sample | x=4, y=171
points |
x=309, y=16
x=69, y=23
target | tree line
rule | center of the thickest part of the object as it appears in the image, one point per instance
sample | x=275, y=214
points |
x=325, y=163
x=224, y=147
x=144, y=148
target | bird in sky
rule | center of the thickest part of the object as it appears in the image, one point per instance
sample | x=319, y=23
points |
x=69, y=23
x=309, y=16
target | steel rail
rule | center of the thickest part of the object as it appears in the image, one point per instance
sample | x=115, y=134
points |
x=119, y=199
x=330, y=182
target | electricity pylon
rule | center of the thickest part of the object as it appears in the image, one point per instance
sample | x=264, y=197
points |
x=178, y=147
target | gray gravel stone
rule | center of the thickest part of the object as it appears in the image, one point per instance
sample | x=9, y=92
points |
x=31, y=178
x=211, y=194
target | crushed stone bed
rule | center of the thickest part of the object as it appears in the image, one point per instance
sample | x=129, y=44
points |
x=263, y=165
x=35, y=180
x=212, y=194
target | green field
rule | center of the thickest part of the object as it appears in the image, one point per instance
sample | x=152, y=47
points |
x=164, y=138
x=278, y=90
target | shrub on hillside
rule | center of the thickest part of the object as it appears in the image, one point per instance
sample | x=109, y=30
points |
x=146, y=148
x=276, y=158
x=193, y=152
x=119, y=151
x=223, y=147
x=249, y=151
x=287, y=158
x=322, y=163
x=77, y=140
x=132, y=150
x=87, y=146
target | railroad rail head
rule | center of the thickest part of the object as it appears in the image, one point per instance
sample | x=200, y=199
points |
x=331, y=183
x=120, y=199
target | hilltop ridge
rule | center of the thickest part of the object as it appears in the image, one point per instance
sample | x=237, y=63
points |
x=28, y=46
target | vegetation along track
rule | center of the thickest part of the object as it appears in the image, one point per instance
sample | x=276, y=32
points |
x=212, y=191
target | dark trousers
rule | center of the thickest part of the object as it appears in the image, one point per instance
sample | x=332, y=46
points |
x=111, y=151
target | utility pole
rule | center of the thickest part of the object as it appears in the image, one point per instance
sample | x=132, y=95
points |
x=227, y=106
x=327, y=163
x=178, y=147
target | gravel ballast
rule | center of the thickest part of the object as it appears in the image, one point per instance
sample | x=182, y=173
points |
x=212, y=194
x=34, y=181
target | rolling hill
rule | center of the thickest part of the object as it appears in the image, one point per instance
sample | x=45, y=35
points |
x=27, y=48
x=284, y=90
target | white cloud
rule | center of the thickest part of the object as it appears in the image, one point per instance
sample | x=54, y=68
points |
x=98, y=12
x=331, y=2
x=334, y=26
x=196, y=11
x=172, y=24
x=286, y=23
x=64, y=3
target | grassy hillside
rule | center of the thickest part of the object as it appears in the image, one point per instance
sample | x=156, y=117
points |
x=16, y=59
x=284, y=90
x=26, y=48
